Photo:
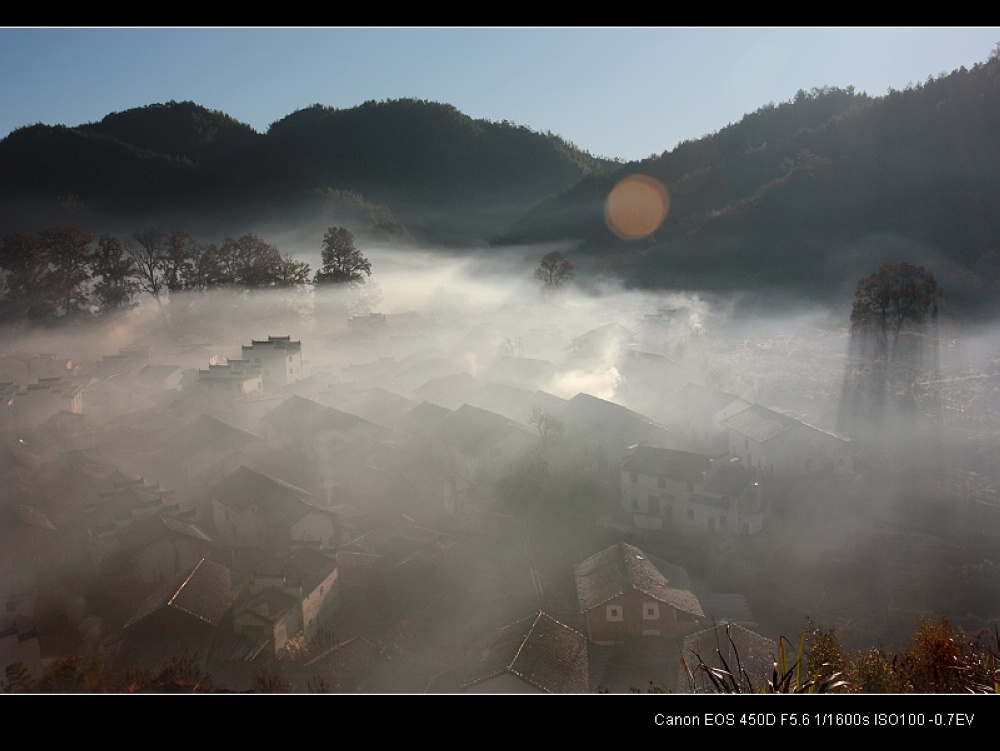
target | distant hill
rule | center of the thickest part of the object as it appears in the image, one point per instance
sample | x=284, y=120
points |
x=796, y=200
x=802, y=198
x=444, y=176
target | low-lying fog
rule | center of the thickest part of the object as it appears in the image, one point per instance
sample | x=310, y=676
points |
x=597, y=337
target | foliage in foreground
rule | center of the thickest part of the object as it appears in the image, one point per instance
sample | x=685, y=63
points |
x=939, y=659
x=77, y=675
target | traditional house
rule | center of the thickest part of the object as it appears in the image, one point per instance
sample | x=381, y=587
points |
x=625, y=598
x=657, y=482
x=396, y=552
x=537, y=654
x=184, y=617
x=30, y=406
x=270, y=612
x=608, y=427
x=521, y=372
x=252, y=509
x=696, y=412
x=478, y=445
x=315, y=430
x=279, y=359
x=781, y=446
x=154, y=550
x=665, y=489
x=234, y=379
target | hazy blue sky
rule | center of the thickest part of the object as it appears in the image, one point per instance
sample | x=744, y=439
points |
x=614, y=91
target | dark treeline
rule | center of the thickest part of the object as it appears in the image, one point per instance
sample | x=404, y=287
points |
x=68, y=270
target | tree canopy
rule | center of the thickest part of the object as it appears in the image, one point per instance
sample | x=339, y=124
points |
x=342, y=262
x=894, y=296
x=554, y=271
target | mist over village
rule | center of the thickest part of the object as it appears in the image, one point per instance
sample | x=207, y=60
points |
x=551, y=424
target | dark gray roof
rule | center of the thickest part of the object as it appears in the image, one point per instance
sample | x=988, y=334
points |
x=421, y=417
x=760, y=424
x=206, y=592
x=278, y=501
x=684, y=466
x=475, y=430
x=623, y=568
x=540, y=651
x=730, y=479
x=697, y=398
x=308, y=566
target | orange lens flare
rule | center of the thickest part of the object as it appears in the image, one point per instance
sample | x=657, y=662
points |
x=636, y=207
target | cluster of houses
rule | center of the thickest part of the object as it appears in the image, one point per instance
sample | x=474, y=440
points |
x=239, y=508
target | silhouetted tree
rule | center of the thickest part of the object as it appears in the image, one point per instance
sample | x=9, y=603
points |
x=68, y=248
x=894, y=296
x=115, y=272
x=554, y=271
x=886, y=303
x=46, y=272
x=342, y=262
x=247, y=262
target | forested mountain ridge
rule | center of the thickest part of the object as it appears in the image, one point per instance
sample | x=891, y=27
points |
x=422, y=160
x=807, y=196
x=799, y=198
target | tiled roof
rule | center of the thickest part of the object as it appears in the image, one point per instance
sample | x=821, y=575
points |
x=760, y=424
x=205, y=592
x=623, y=568
x=308, y=566
x=475, y=430
x=245, y=486
x=695, y=397
x=540, y=651
x=421, y=417
x=730, y=479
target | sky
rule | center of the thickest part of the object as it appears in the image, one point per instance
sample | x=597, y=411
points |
x=616, y=92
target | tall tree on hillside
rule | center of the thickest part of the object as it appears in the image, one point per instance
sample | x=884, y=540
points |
x=554, y=271
x=880, y=371
x=342, y=262
x=895, y=296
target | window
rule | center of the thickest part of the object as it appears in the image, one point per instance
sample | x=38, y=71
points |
x=651, y=611
x=661, y=483
x=635, y=504
x=654, y=505
x=614, y=612
x=634, y=477
x=723, y=523
x=746, y=443
x=690, y=515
